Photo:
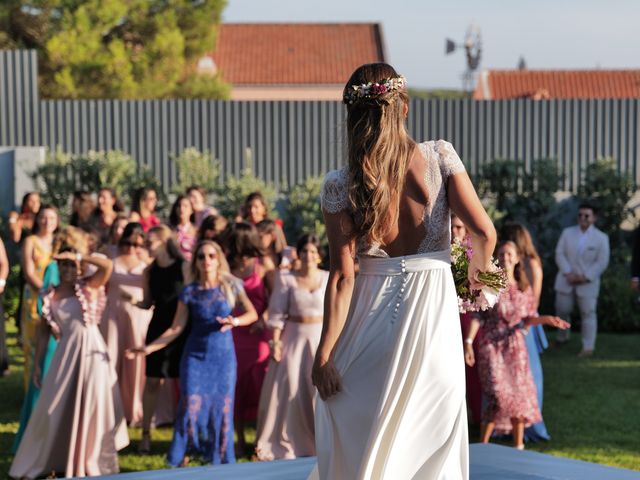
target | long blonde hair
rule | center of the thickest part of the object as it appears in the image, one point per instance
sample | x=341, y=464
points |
x=225, y=279
x=379, y=150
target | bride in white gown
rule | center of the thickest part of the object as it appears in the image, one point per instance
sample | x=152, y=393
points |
x=389, y=369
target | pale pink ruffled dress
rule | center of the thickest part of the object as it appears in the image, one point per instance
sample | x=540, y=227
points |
x=286, y=412
x=125, y=326
x=78, y=424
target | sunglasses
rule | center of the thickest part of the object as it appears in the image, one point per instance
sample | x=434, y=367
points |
x=132, y=244
x=202, y=256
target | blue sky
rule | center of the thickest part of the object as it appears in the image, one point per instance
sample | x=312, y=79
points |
x=548, y=34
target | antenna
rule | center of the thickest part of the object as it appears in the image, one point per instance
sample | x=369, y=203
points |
x=473, y=49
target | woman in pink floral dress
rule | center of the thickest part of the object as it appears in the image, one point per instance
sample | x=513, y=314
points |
x=181, y=220
x=503, y=360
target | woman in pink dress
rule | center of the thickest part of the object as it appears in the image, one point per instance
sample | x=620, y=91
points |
x=285, y=417
x=255, y=210
x=181, y=220
x=125, y=325
x=78, y=425
x=144, y=207
x=503, y=359
x=247, y=262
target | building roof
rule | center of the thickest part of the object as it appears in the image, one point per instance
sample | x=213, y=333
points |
x=549, y=84
x=301, y=53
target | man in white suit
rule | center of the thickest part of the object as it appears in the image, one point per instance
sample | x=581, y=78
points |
x=582, y=255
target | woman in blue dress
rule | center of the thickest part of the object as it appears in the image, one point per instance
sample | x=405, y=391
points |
x=204, y=421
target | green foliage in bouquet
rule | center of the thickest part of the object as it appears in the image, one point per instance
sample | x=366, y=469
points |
x=473, y=300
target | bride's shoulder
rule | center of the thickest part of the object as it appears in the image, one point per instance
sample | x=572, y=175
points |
x=445, y=155
x=334, y=194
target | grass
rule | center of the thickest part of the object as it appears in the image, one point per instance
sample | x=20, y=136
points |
x=590, y=407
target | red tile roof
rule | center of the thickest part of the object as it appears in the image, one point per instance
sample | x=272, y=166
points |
x=542, y=84
x=272, y=53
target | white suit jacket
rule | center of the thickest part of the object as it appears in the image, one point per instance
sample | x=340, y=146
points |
x=590, y=260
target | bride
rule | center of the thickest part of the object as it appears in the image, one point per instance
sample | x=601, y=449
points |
x=389, y=368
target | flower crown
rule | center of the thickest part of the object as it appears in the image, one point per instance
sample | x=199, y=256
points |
x=373, y=89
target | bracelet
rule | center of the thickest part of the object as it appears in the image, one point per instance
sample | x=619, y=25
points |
x=78, y=257
x=468, y=341
x=276, y=343
x=3, y=282
x=235, y=322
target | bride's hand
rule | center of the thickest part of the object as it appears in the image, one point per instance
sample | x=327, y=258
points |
x=475, y=267
x=326, y=378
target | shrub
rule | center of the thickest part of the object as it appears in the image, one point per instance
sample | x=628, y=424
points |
x=233, y=192
x=610, y=191
x=618, y=306
x=303, y=213
x=63, y=173
x=11, y=296
x=196, y=168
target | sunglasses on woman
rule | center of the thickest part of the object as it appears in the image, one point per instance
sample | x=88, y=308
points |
x=132, y=244
x=202, y=256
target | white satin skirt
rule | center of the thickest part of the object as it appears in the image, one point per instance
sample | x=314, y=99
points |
x=401, y=413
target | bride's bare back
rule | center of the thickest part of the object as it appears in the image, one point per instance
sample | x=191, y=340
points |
x=423, y=223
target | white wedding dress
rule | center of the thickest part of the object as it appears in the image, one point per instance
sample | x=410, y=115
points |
x=401, y=413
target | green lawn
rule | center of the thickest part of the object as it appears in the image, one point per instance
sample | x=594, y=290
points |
x=591, y=407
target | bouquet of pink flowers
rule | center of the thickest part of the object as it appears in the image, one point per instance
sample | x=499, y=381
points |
x=494, y=281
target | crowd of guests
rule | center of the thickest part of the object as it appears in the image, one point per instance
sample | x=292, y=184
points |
x=207, y=323
x=211, y=324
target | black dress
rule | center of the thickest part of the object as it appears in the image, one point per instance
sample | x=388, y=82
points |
x=165, y=285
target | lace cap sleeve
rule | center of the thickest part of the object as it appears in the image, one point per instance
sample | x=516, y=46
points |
x=334, y=193
x=186, y=294
x=450, y=162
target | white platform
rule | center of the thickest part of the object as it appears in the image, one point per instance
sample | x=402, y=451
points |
x=488, y=462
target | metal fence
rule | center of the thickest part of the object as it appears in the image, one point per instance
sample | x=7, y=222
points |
x=290, y=141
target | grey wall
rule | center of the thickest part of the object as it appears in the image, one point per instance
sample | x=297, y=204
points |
x=293, y=140
x=16, y=165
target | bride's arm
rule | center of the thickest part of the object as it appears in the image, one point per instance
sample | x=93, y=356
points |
x=464, y=202
x=336, y=301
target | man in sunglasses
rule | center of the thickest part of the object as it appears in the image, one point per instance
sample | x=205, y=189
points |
x=582, y=255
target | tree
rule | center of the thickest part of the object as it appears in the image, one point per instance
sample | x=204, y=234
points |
x=116, y=48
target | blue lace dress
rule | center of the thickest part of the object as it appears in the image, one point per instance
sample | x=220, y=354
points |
x=204, y=421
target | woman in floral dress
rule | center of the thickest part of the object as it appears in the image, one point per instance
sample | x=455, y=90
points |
x=181, y=220
x=503, y=360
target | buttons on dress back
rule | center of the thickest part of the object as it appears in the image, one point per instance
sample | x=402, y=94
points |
x=403, y=269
